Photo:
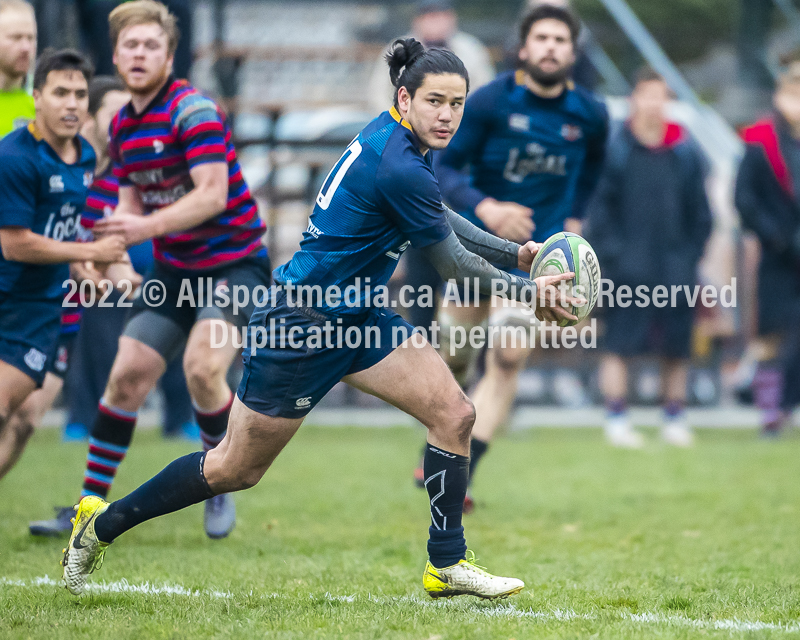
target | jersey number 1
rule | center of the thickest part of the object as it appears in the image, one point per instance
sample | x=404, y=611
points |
x=339, y=169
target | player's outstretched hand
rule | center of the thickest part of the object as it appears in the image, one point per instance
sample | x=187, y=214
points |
x=508, y=220
x=554, y=298
x=108, y=249
x=135, y=229
x=83, y=271
x=527, y=252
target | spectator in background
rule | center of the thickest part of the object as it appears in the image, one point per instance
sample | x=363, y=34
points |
x=17, y=53
x=583, y=72
x=767, y=197
x=435, y=24
x=649, y=222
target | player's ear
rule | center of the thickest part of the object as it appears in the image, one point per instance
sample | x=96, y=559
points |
x=403, y=99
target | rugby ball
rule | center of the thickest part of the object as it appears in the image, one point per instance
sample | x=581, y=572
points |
x=563, y=252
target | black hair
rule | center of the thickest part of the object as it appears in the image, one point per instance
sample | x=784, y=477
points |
x=549, y=11
x=647, y=74
x=61, y=60
x=99, y=87
x=409, y=62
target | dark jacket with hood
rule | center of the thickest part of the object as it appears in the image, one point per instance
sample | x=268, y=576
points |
x=649, y=219
x=767, y=190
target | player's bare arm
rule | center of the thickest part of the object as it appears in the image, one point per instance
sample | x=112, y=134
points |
x=23, y=245
x=206, y=200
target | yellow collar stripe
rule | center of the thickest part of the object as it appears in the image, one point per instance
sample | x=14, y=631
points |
x=35, y=132
x=398, y=118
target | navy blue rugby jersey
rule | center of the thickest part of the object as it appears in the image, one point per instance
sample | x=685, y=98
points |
x=543, y=153
x=39, y=191
x=380, y=196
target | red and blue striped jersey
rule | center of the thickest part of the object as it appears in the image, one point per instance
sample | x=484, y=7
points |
x=101, y=199
x=155, y=150
x=71, y=316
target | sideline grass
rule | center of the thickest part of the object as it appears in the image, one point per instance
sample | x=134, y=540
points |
x=653, y=544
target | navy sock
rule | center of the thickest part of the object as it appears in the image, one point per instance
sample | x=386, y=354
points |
x=213, y=424
x=446, y=476
x=476, y=450
x=179, y=485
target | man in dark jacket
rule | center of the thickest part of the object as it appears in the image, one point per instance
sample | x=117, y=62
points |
x=767, y=197
x=649, y=222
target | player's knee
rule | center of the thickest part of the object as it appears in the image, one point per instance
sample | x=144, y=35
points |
x=202, y=375
x=127, y=386
x=23, y=424
x=242, y=479
x=508, y=360
x=464, y=419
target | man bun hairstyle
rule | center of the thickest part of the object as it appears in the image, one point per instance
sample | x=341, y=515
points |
x=409, y=62
x=61, y=60
x=549, y=11
x=99, y=87
x=137, y=12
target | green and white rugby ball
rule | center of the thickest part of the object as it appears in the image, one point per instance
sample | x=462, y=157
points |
x=563, y=252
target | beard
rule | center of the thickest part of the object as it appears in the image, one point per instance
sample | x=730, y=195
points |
x=12, y=69
x=547, y=78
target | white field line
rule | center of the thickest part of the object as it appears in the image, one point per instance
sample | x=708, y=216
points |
x=503, y=610
x=121, y=586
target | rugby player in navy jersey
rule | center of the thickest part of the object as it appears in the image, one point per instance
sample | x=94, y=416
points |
x=105, y=99
x=180, y=184
x=534, y=144
x=380, y=197
x=45, y=169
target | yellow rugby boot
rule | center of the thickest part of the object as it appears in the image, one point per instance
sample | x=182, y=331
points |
x=85, y=552
x=468, y=579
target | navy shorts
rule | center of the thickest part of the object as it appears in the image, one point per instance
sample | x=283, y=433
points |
x=637, y=331
x=307, y=353
x=29, y=332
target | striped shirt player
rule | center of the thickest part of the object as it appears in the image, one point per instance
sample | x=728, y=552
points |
x=153, y=151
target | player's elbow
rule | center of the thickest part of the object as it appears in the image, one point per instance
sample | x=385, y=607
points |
x=215, y=194
x=220, y=199
x=14, y=249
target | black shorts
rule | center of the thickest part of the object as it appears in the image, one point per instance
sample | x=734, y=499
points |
x=636, y=331
x=171, y=301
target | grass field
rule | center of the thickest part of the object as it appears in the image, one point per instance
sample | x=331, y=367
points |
x=612, y=544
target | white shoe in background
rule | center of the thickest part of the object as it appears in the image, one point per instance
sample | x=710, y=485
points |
x=620, y=433
x=677, y=433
